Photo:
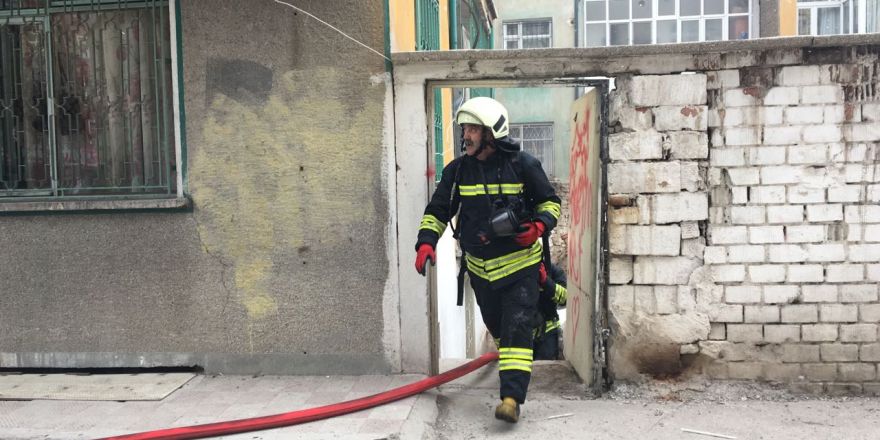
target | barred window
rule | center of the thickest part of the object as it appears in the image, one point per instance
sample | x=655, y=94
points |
x=537, y=140
x=86, y=103
x=624, y=22
x=528, y=34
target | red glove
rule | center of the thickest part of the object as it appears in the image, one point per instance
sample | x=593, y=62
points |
x=531, y=231
x=542, y=275
x=425, y=253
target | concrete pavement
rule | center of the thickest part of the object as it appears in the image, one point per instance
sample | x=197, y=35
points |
x=558, y=407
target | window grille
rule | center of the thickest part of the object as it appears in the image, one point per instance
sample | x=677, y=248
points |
x=528, y=34
x=537, y=140
x=85, y=99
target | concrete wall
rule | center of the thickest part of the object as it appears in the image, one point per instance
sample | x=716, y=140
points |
x=283, y=265
x=743, y=222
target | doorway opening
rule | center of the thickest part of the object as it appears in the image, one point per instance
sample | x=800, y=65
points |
x=562, y=123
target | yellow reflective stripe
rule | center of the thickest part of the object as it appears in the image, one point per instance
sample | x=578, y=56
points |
x=551, y=325
x=477, y=190
x=514, y=365
x=522, y=357
x=515, y=350
x=561, y=295
x=431, y=223
x=552, y=207
x=507, y=270
x=504, y=260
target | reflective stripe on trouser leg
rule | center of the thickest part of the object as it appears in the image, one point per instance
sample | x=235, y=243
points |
x=518, y=309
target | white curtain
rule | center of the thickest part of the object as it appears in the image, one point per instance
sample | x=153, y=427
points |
x=872, y=15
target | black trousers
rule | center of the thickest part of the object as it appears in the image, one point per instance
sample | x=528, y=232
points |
x=546, y=346
x=511, y=315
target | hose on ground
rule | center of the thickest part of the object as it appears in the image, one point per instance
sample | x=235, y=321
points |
x=311, y=414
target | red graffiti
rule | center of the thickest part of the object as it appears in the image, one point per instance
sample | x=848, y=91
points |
x=574, y=310
x=581, y=193
x=430, y=173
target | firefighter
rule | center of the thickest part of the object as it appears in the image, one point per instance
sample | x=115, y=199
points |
x=505, y=204
x=553, y=295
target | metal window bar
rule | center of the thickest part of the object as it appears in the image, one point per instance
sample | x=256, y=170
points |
x=85, y=99
x=537, y=140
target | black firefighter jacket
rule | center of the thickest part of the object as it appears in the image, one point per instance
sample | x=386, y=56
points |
x=464, y=184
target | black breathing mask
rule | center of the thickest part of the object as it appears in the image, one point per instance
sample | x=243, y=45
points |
x=505, y=219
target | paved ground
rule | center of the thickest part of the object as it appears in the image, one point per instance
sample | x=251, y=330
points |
x=559, y=407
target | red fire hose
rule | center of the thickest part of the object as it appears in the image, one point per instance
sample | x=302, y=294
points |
x=311, y=414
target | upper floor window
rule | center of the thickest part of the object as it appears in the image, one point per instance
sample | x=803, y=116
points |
x=528, y=34
x=537, y=140
x=86, y=99
x=831, y=17
x=623, y=22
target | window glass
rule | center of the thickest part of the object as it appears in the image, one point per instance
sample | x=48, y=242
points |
x=804, y=22
x=511, y=29
x=829, y=21
x=713, y=30
x=535, y=43
x=619, y=34
x=690, y=30
x=642, y=8
x=511, y=44
x=666, y=7
x=618, y=10
x=738, y=28
x=690, y=7
x=667, y=31
x=711, y=7
x=739, y=6
x=596, y=35
x=536, y=28
x=642, y=32
x=595, y=11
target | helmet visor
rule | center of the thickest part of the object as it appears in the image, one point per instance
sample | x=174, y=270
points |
x=467, y=118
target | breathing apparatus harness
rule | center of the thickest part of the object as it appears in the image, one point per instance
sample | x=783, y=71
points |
x=507, y=211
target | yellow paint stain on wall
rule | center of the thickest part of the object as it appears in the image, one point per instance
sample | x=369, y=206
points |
x=270, y=177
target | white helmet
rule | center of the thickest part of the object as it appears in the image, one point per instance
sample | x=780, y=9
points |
x=486, y=112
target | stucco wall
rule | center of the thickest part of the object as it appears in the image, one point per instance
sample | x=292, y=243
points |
x=282, y=266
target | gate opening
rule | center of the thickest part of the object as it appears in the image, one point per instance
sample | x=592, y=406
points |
x=562, y=124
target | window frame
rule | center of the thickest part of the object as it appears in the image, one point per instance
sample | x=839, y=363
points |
x=656, y=17
x=548, y=157
x=175, y=198
x=519, y=36
x=853, y=19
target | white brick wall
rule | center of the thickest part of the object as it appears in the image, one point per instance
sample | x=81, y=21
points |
x=775, y=212
x=657, y=90
x=645, y=240
x=652, y=177
x=683, y=206
x=635, y=146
